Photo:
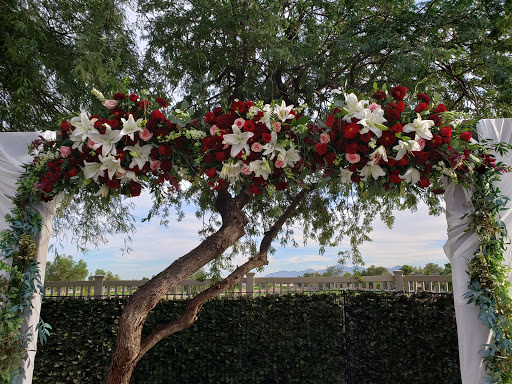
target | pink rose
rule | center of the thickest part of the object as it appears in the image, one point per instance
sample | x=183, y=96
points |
x=110, y=104
x=145, y=134
x=324, y=138
x=154, y=164
x=372, y=107
x=421, y=142
x=279, y=163
x=245, y=170
x=65, y=151
x=213, y=130
x=256, y=147
x=239, y=123
x=277, y=126
x=353, y=158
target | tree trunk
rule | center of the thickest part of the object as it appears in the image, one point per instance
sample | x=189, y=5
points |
x=128, y=346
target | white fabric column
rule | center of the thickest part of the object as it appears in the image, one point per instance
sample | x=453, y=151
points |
x=14, y=153
x=460, y=248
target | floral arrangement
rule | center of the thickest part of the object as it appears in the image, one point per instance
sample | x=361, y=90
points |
x=382, y=144
x=132, y=143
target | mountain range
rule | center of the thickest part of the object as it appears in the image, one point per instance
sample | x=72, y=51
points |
x=309, y=270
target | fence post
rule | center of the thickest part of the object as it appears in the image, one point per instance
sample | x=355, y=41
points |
x=399, y=280
x=99, y=288
x=249, y=283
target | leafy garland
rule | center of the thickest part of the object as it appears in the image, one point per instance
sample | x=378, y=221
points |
x=383, y=147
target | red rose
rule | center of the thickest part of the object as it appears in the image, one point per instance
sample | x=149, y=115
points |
x=423, y=97
x=465, y=135
x=388, y=138
x=65, y=126
x=119, y=96
x=366, y=137
x=133, y=98
x=255, y=189
x=221, y=156
x=440, y=108
x=421, y=107
x=403, y=161
x=165, y=150
x=350, y=130
x=445, y=132
x=394, y=177
x=363, y=148
x=217, y=111
x=211, y=172
x=436, y=119
x=226, y=121
x=420, y=156
x=210, y=118
x=392, y=114
x=435, y=142
x=379, y=95
x=330, y=158
x=398, y=93
x=134, y=188
x=266, y=137
x=162, y=102
x=355, y=178
x=281, y=186
x=424, y=182
x=351, y=148
x=114, y=124
x=249, y=126
x=114, y=183
x=166, y=165
x=321, y=148
x=69, y=174
x=330, y=120
x=157, y=115
x=143, y=104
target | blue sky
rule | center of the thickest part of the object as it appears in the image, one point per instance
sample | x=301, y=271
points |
x=416, y=239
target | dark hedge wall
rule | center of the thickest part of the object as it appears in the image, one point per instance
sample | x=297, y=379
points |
x=349, y=338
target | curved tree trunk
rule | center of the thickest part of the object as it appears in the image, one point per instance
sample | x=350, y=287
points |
x=130, y=348
x=128, y=345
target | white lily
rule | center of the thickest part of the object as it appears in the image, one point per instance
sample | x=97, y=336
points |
x=379, y=153
x=128, y=176
x=103, y=191
x=261, y=168
x=420, y=127
x=131, y=126
x=231, y=170
x=238, y=141
x=372, y=120
x=372, y=169
x=92, y=170
x=411, y=176
x=354, y=107
x=271, y=147
x=283, y=111
x=111, y=164
x=405, y=146
x=83, y=128
x=290, y=156
x=107, y=140
x=140, y=155
x=346, y=175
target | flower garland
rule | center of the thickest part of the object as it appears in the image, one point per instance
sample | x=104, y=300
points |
x=382, y=145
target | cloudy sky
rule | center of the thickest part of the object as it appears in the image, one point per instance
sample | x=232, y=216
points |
x=416, y=239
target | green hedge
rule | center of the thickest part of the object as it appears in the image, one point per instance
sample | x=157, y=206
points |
x=350, y=338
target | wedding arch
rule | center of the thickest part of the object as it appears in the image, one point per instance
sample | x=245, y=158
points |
x=252, y=159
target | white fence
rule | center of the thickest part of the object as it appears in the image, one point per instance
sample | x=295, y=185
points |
x=256, y=286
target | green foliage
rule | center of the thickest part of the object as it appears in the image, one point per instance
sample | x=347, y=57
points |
x=272, y=339
x=53, y=52
x=300, y=51
x=109, y=275
x=64, y=268
x=372, y=270
x=329, y=272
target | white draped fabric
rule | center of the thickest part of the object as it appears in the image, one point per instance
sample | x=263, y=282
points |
x=14, y=153
x=460, y=248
